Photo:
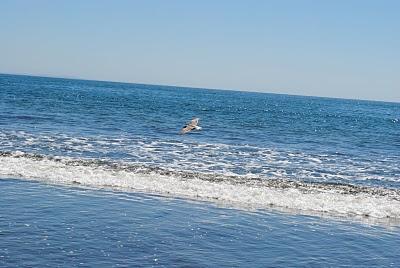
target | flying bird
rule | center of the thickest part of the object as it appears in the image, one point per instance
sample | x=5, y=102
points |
x=191, y=126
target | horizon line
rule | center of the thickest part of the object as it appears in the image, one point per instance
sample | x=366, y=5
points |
x=192, y=87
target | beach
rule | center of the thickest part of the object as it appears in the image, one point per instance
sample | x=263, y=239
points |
x=51, y=226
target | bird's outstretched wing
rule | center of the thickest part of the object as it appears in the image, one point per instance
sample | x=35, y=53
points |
x=190, y=126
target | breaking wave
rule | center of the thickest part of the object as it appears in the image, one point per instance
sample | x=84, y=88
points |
x=236, y=190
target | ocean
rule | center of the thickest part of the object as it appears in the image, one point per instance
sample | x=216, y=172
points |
x=95, y=173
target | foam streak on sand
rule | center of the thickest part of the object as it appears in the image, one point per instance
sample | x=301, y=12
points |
x=238, y=191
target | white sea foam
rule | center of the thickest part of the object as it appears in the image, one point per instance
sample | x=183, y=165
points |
x=216, y=157
x=318, y=199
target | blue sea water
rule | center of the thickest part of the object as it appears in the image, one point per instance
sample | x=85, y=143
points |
x=96, y=174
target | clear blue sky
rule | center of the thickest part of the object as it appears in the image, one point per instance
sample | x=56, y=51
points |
x=335, y=48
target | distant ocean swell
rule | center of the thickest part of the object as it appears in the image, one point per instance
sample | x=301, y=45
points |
x=236, y=190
